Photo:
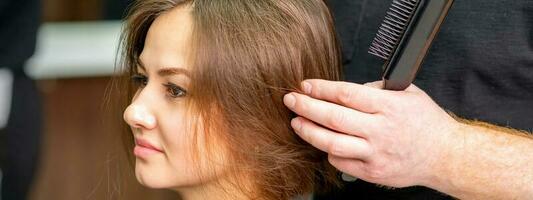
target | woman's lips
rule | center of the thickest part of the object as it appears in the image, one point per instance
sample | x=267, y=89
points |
x=143, y=148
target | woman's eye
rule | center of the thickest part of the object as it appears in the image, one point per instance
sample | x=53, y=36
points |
x=139, y=80
x=175, y=91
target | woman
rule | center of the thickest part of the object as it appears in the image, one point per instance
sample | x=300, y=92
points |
x=204, y=104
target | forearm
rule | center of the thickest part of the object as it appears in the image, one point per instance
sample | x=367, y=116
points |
x=487, y=162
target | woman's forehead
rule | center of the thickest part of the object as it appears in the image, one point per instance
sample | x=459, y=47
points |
x=167, y=43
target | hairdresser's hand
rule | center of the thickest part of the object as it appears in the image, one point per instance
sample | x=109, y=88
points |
x=393, y=138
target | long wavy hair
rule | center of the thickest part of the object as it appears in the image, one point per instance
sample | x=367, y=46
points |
x=247, y=55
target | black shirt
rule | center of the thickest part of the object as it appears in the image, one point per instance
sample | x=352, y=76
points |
x=479, y=67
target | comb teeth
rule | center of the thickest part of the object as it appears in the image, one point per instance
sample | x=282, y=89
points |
x=393, y=27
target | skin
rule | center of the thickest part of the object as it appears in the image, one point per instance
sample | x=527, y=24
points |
x=158, y=115
x=403, y=138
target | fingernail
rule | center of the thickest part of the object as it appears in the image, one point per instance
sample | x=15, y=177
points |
x=306, y=87
x=348, y=178
x=296, y=124
x=289, y=100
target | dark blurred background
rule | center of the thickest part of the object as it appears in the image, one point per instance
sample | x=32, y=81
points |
x=80, y=154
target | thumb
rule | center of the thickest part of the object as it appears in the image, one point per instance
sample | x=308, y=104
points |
x=413, y=88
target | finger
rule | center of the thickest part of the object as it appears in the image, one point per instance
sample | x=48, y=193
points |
x=333, y=143
x=363, y=98
x=375, y=84
x=333, y=116
x=352, y=167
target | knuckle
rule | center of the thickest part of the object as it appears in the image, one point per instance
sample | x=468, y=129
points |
x=304, y=132
x=336, y=149
x=346, y=95
x=315, y=89
x=387, y=125
x=337, y=120
x=301, y=104
x=375, y=172
x=309, y=134
x=389, y=107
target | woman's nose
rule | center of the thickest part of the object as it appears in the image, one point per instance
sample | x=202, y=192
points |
x=139, y=116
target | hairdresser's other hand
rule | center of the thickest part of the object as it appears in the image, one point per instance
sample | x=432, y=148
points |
x=393, y=138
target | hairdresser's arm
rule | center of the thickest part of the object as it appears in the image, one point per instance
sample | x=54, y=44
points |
x=403, y=138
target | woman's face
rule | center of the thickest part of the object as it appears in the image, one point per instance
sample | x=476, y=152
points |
x=157, y=115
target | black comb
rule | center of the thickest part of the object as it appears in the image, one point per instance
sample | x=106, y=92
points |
x=404, y=38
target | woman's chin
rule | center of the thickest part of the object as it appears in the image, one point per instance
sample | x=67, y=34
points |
x=155, y=178
x=158, y=175
x=150, y=180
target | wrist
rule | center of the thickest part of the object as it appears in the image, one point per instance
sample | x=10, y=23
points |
x=449, y=159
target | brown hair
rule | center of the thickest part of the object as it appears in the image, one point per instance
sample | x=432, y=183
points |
x=247, y=55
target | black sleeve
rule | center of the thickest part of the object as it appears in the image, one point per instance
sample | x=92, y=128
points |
x=19, y=22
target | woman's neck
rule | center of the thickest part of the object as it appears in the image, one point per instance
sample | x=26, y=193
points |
x=220, y=189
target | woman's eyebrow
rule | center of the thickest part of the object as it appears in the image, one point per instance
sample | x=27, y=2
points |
x=173, y=71
x=166, y=71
